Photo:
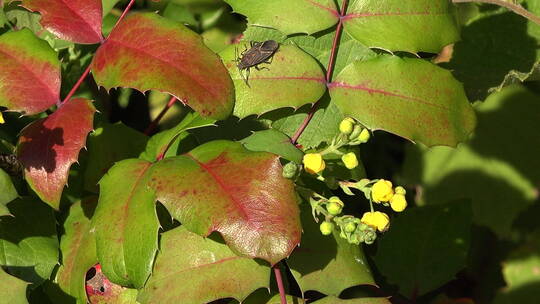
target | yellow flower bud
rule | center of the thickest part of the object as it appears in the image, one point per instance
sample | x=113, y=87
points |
x=350, y=160
x=377, y=220
x=2, y=118
x=346, y=126
x=313, y=163
x=398, y=202
x=382, y=191
x=364, y=136
x=400, y=190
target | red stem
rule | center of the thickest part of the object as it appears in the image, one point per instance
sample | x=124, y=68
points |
x=87, y=71
x=329, y=70
x=279, y=281
x=156, y=120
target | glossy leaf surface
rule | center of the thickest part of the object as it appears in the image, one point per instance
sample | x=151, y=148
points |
x=49, y=146
x=191, y=269
x=126, y=223
x=421, y=25
x=28, y=240
x=342, y=265
x=243, y=196
x=425, y=247
x=78, y=247
x=8, y=192
x=334, y=300
x=12, y=289
x=29, y=73
x=289, y=16
x=74, y=20
x=408, y=97
x=275, y=142
x=171, y=58
x=292, y=79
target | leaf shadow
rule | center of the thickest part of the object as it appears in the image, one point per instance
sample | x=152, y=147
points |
x=37, y=151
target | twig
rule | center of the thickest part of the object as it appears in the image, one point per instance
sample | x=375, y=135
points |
x=516, y=8
x=329, y=70
x=279, y=281
x=156, y=120
x=87, y=71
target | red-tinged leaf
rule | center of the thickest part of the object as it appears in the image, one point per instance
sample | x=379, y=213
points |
x=29, y=73
x=102, y=291
x=147, y=52
x=74, y=20
x=126, y=223
x=408, y=97
x=191, y=269
x=221, y=186
x=49, y=146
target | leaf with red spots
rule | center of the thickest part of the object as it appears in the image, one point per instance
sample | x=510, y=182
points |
x=29, y=73
x=191, y=269
x=420, y=25
x=149, y=52
x=78, y=247
x=221, y=186
x=126, y=223
x=408, y=97
x=102, y=291
x=289, y=16
x=292, y=79
x=48, y=147
x=74, y=20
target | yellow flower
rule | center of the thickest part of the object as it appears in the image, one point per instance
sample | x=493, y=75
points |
x=346, y=125
x=313, y=163
x=2, y=118
x=350, y=160
x=377, y=220
x=400, y=190
x=364, y=136
x=382, y=191
x=398, y=202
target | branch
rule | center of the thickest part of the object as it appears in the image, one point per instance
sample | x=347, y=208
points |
x=516, y=8
x=156, y=120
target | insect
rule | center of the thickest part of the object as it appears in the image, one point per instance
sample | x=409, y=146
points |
x=260, y=52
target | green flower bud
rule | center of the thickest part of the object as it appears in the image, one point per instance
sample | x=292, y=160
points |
x=290, y=170
x=364, y=136
x=363, y=227
x=350, y=227
x=400, y=190
x=356, y=131
x=334, y=208
x=326, y=228
x=346, y=126
x=349, y=160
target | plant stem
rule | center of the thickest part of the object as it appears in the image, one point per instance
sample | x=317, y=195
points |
x=516, y=8
x=156, y=120
x=329, y=70
x=87, y=71
x=279, y=280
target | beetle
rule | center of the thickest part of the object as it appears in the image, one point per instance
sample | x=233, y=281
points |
x=260, y=52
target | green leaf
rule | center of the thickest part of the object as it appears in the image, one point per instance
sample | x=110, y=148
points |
x=408, y=97
x=412, y=26
x=425, y=247
x=30, y=73
x=289, y=16
x=334, y=300
x=126, y=223
x=28, y=241
x=221, y=186
x=497, y=48
x=192, y=269
x=341, y=264
x=108, y=144
x=78, y=246
x=108, y=5
x=160, y=142
x=195, y=75
x=8, y=192
x=292, y=79
x=275, y=142
x=12, y=289
x=497, y=169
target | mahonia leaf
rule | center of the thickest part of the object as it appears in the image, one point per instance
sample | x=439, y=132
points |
x=102, y=291
x=8, y=192
x=243, y=196
x=48, y=147
x=12, y=289
x=421, y=25
x=171, y=58
x=408, y=97
x=126, y=223
x=74, y=20
x=289, y=16
x=292, y=79
x=191, y=269
x=29, y=73
x=273, y=141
